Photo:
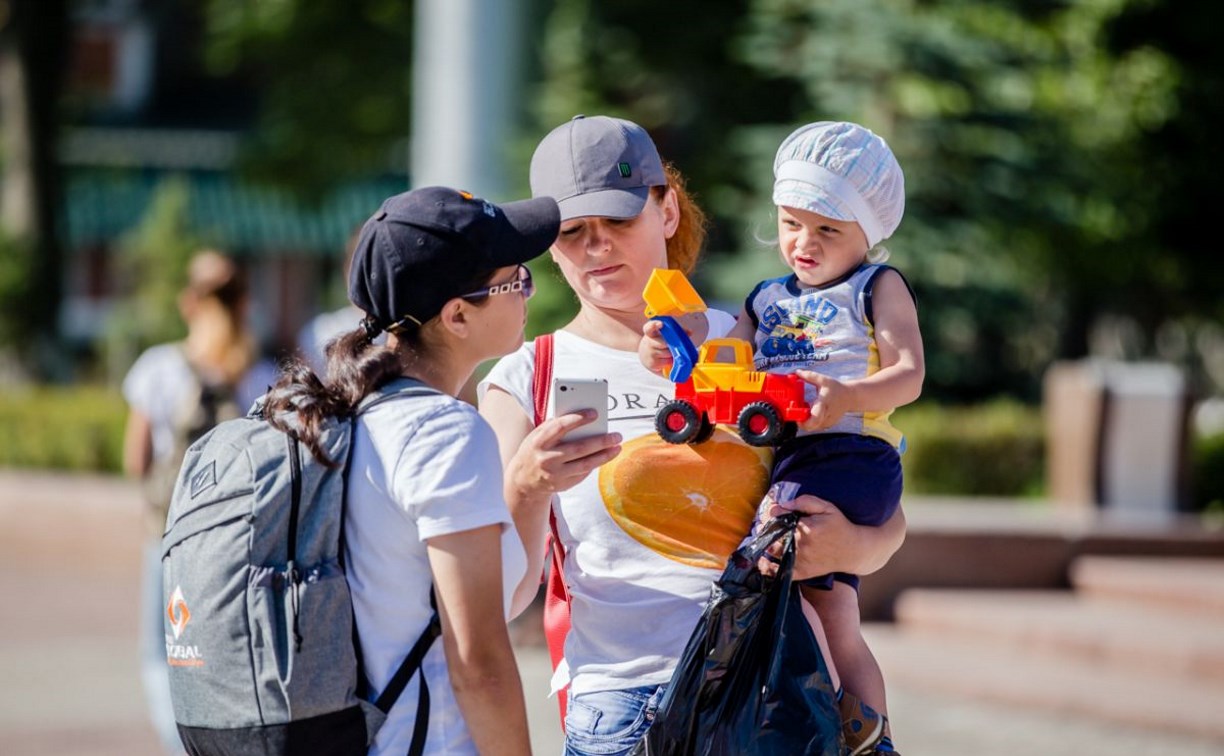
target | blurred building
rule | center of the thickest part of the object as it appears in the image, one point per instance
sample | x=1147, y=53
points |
x=146, y=113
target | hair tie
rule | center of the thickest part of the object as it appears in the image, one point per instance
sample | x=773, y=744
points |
x=371, y=328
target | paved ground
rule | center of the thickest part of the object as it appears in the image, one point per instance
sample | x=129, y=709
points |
x=68, y=588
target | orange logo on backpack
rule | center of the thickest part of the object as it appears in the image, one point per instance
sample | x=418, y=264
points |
x=178, y=612
x=178, y=655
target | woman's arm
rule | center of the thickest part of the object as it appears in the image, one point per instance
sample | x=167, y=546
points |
x=537, y=465
x=137, y=445
x=467, y=574
x=828, y=542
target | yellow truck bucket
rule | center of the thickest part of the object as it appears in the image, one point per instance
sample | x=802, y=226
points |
x=668, y=292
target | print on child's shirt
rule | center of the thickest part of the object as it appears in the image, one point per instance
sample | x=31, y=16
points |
x=790, y=332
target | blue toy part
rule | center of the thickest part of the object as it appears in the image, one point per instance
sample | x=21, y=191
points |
x=684, y=354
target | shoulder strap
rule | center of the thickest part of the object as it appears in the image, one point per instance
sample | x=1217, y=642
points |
x=541, y=379
x=407, y=668
x=556, y=594
x=399, y=388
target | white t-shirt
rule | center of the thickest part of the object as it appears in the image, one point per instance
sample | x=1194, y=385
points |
x=156, y=383
x=647, y=533
x=422, y=467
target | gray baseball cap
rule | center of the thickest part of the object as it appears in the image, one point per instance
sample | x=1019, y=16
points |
x=600, y=166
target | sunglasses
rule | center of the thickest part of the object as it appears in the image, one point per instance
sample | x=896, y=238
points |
x=522, y=283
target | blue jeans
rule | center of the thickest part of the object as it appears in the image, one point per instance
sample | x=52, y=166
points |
x=610, y=722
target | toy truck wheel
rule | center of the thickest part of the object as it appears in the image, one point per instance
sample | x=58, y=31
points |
x=760, y=424
x=678, y=422
x=706, y=430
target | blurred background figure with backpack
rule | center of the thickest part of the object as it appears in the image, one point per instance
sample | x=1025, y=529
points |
x=314, y=336
x=175, y=393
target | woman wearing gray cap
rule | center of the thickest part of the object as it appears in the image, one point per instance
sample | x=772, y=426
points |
x=645, y=525
x=441, y=273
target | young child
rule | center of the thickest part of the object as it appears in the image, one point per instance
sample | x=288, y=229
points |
x=848, y=326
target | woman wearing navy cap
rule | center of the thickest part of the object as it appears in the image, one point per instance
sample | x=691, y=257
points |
x=441, y=273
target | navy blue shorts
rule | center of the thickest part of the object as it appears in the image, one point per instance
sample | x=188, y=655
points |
x=861, y=475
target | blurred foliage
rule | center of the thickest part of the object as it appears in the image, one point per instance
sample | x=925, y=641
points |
x=15, y=290
x=1053, y=149
x=991, y=449
x=151, y=267
x=76, y=428
x=334, y=79
x=687, y=89
x=1207, y=473
x=1028, y=130
x=554, y=303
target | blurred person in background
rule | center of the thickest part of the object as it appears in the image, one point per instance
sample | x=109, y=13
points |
x=175, y=393
x=313, y=337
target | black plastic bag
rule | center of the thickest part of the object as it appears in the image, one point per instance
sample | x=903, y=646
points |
x=752, y=679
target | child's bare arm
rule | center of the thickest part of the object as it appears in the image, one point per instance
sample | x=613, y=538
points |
x=652, y=349
x=902, y=366
x=743, y=328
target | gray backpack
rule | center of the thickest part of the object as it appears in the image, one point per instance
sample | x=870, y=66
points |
x=261, y=644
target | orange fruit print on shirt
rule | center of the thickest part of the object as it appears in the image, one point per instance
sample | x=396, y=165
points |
x=693, y=504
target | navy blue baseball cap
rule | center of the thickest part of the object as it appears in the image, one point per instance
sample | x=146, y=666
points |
x=423, y=248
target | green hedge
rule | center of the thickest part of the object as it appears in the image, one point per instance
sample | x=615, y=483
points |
x=992, y=449
x=70, y=428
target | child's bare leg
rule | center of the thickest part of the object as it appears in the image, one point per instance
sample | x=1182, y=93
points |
x=809, y=613
x=839, y=615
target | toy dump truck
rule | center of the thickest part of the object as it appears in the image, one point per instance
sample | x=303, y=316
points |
x=717, y=384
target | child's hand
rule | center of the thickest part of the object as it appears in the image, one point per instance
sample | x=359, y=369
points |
x=833, y=399
x=652, y=349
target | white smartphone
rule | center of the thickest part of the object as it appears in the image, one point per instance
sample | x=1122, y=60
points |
x=574, y=394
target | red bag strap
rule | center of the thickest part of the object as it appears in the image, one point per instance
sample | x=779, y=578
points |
x=541, y=380
x=542, y=377
x=556, y=594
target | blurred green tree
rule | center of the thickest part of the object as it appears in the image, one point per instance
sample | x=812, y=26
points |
x=334, y=83
x=1177, y=169
x=1028, y=130
x=1018, y=127
x=33, y=41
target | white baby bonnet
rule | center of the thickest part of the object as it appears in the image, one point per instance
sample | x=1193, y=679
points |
x=841, y=171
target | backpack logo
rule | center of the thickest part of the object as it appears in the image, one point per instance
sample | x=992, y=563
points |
x=178, y=655
x=204, y=479
x=178, y=612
